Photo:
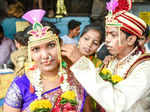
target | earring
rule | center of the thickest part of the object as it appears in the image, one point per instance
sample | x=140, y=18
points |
x=77, y=45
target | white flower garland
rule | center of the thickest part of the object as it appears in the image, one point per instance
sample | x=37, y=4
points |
x=65, y=85
x=37, y=83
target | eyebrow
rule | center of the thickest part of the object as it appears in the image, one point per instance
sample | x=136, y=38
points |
x=141, y=39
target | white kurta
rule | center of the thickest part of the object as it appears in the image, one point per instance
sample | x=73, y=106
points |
x=129, y=95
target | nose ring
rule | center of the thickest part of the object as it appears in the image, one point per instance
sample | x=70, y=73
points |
x=49, y=57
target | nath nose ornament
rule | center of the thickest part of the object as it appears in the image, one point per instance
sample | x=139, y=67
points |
x=49, y=57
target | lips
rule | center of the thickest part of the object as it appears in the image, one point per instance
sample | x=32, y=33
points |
x=108, y=47
x=47, y=62
x=87, y=50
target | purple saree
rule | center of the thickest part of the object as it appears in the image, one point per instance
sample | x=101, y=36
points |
x=19, y=95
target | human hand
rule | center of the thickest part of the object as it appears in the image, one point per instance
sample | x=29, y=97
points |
x=107, y=59
x=71, y=52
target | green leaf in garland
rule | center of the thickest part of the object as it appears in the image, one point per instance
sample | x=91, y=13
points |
x=73, y=102
x=97, y=62
x=64, y=64
x=63, y=101
x=43, y=110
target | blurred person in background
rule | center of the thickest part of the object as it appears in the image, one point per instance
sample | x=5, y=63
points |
x=144, y=41
x=19, y=56
x=14, y=13
x=7, y=46
x=73, y=31
x=49, y=6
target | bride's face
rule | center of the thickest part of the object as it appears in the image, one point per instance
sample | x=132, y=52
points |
x=45, y=56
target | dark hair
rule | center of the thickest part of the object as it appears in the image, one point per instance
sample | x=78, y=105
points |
x=20, y=38
x=25, y=32
x=53, y=28
x=1, y=29
x=128, y=34
x=15, y=9
x=2, y=32
x=146, y=32
x=3, y=15
x=73, y=24
x=98, y=28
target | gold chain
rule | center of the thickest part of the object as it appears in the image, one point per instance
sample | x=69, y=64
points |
x=49, y=79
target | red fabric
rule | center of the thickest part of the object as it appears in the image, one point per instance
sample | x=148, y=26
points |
x=140, y=25
x=142, y=50
x=100, y=108
x=129, y=29
x=141, y=59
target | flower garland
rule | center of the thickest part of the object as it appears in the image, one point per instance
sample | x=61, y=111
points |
x=121, y=66
x=66, y=101
x=105, y=73
x=42, y=105
x=96, y=61
x=63, y=79
x=108, y=76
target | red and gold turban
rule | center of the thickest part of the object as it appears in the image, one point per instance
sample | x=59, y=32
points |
x=119, y=16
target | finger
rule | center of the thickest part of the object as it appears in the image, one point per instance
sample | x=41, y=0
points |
x=67, y=45
x=63, y=48
x=67, y=48
x=68, y=51
x=64, y=53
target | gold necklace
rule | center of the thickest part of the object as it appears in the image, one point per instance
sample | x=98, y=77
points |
x=49, y=79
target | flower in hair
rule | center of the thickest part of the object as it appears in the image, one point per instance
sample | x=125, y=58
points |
x=112, y=5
